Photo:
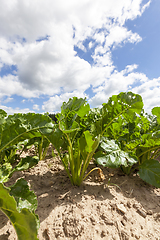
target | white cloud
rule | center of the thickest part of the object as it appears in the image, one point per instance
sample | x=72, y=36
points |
x=11, y=85
x=99, y=37
x=10, y=110
x=54, y=103
x=36, y=107
x=116, y=83
x=51, y=67
x=149, y=90
x=5, y=52
x=7, y=100
x=119, y=35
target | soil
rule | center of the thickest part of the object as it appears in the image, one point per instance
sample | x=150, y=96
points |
x=113, y=207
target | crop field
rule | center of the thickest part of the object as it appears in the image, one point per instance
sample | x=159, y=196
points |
x=85, y=173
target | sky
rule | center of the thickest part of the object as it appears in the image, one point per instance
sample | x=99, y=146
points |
x=51, y=51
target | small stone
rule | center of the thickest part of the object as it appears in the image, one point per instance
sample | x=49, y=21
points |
x=157, y=216
x=125, y=218
x=106, y=220
x=103, y=233
x=137, y=236
x=142, y=213
x=121, y=208
x=150, y=212
x=136, y=205
x=92, y=197
x=93, y=220
x=129, y=204
x=123, y=223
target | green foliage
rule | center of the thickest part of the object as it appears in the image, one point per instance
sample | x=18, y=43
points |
x=136, y=135
x=17, y=132
x=80, y=129
x=23, y=196
x=18, y=127
x=74, y=143
x=110, y=155
x=156, y=111
x=150, y=172
x=118, y=135
x=6, y=170
x=20, y=213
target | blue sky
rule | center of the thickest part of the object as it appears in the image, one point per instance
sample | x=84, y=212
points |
x=147, y=53
x=53, y=50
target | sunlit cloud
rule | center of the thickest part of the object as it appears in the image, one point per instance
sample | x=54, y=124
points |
x=7, y=100
x=36, y=107
x=54, y=103
x=49, y=44
x=10, y=110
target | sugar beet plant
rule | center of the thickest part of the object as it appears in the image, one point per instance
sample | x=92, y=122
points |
x=117, y=135
x=80, y=130
x=17, y=202
x=133, y=143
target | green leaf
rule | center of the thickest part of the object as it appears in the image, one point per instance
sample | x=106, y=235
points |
x=19, y=127
x=124, y=106
x=134, y=101
x=156, y=136
x=87, y=145
x=65, y=161
x=3, y=114
x=83, y=110
x=57, y=139
x=26, y=163
x=72, y=114
x=5, y=171
x=150, y=172
x=23, y=196
x=145, y=152
x=156, y=111
x=73, y=105
x=74, y=127
x=24, y=221
x=112, y=156
x=86, y=142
